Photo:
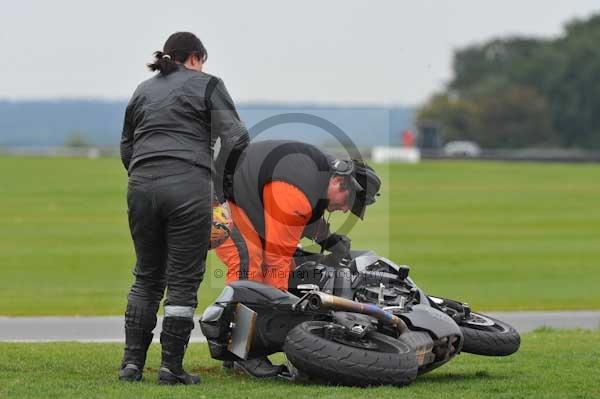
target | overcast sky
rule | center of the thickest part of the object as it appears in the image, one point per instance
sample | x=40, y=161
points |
x=367, y=52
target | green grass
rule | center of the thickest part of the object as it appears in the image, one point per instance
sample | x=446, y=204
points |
x=550, y=364
x=498, y=235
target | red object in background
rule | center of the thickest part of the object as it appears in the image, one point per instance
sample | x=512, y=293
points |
x=408, y=139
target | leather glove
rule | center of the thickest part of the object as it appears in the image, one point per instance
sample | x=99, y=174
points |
x=337, y=244
x=228, y=187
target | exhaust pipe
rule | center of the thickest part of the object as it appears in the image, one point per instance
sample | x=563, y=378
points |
x=319, y=300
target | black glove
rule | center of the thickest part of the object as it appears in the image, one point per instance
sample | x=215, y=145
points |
x=337, y=244
x=223, y=187
x=228, y=187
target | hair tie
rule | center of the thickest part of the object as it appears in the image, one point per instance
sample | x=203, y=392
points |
x=167, y=56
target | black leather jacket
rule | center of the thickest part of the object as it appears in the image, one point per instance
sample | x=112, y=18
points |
x=180, y=116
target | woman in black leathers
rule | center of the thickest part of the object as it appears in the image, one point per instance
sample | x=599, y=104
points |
x=171, y=124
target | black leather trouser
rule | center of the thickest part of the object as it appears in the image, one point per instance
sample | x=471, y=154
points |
x=169, y=207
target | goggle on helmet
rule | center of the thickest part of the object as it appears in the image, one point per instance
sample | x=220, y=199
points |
x=363, y=181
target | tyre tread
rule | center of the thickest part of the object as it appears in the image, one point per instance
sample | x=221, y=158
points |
x=491, y=343
x=340, y=364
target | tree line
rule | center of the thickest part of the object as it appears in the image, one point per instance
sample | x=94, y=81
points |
x=524, y=92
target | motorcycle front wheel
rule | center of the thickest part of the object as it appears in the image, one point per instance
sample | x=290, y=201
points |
x=375, y=360
x=484, y=335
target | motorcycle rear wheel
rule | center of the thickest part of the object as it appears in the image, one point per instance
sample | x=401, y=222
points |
x=382, y=361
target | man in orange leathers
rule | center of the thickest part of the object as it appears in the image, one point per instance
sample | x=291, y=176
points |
x=280, y=191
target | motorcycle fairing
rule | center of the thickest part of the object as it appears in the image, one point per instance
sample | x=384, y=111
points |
x=439, y=324
x=275, y=318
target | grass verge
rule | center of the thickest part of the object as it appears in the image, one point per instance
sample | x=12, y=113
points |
x=552, y=364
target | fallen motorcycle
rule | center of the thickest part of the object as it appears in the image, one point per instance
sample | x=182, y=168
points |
x=352, y=320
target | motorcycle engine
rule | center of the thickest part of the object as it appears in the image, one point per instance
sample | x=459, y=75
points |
x=392, y=295
x=381, y=285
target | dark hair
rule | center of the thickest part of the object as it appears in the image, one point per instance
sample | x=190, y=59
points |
x=178, y=47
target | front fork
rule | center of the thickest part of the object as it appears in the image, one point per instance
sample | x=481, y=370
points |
x=457, y=310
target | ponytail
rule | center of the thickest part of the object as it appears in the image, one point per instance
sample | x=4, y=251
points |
x=177, y=49
x=163, y=63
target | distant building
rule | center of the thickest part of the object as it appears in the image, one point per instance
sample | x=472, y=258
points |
x=429, y=135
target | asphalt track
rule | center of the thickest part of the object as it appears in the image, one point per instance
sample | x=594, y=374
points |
x=110, y=329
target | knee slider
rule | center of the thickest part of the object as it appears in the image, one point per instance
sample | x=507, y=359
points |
x=138, y=315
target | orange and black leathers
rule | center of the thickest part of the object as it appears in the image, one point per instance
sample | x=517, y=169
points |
x=279, y=187
x=287, y=211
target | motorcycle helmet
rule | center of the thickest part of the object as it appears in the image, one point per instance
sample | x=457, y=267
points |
x=363, y=182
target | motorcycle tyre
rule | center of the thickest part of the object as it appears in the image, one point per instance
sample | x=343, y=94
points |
x=339, y=364
x=501, y=339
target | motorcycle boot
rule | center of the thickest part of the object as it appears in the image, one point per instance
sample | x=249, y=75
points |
x=174, y=339
x=140, y=320
x=228, y=364
x=259, y=367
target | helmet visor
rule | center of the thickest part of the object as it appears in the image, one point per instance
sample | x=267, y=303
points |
x=366, y=185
